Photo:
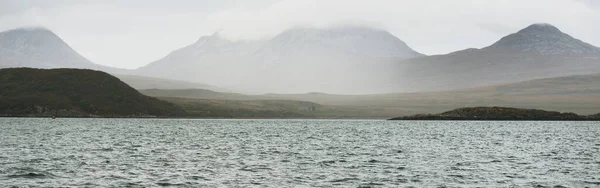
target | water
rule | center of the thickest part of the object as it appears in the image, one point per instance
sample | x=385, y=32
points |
x=297, y=153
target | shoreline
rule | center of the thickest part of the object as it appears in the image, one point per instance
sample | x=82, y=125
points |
x=499, y=114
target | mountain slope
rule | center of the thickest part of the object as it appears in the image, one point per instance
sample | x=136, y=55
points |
x=74, y=92
x=41, y=48
x=329, y=60
x=538, y=51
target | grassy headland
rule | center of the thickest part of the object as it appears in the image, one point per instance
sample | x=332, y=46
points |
x=75, y=93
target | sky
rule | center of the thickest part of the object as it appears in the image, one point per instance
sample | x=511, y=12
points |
x=133, y=33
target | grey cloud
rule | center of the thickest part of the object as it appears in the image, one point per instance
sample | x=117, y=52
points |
x=591, y=3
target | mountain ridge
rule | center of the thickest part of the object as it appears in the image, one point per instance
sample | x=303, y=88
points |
x=328, y=60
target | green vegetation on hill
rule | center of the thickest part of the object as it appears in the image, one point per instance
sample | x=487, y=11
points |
x=497, y=113
x=75, y=93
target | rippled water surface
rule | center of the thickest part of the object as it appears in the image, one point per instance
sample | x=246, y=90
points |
x=297, y=153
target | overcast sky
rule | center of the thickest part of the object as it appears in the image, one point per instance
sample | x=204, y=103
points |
x=132, y=33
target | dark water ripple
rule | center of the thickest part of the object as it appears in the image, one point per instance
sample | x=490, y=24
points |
x=297, y=153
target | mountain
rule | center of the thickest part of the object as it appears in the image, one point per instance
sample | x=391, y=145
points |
x=356, y=60
x=41, y=48
x=537, y=51
x=544, y=39
x=348, y=60
x=343, y=59
x=74, y=93
x=211, y=59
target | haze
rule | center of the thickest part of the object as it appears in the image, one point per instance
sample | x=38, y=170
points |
x=133, y=33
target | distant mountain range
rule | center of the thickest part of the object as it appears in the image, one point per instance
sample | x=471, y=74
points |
x=362, y=60
x=350, y=60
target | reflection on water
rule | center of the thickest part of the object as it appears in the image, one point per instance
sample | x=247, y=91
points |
x=306, y=153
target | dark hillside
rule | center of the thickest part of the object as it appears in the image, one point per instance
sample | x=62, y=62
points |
x=74, y=92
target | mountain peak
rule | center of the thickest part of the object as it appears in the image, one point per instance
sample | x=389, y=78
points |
x=36, y=28
x=544, y=39
x=37, y=37
x=38, y=47
x=30, y=29
x=541, y=28
x=214, y=38
x=29, y=32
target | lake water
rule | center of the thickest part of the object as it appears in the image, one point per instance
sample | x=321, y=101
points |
x=297, y=153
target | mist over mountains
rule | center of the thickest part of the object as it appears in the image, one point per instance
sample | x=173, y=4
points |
x=342, y=60
x=338, y=60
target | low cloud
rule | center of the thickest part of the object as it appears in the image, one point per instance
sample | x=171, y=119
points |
x=430, y=26
x=133, y=33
